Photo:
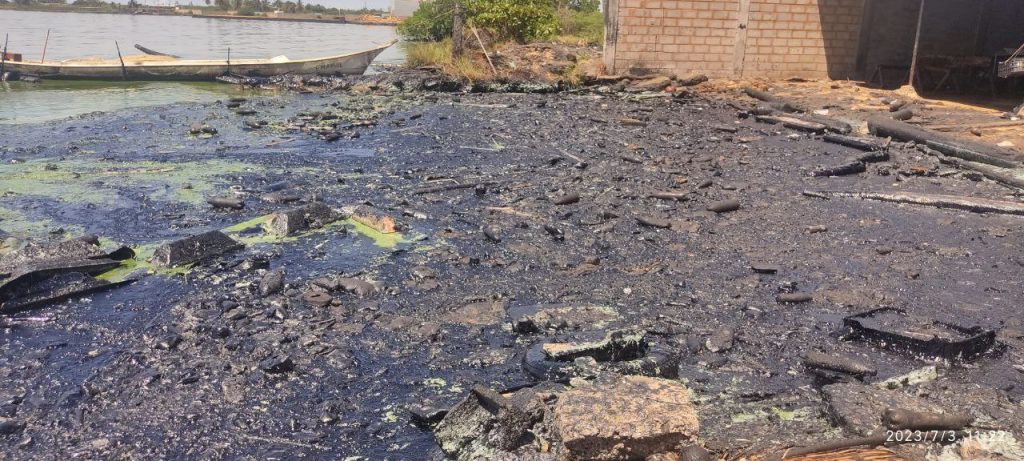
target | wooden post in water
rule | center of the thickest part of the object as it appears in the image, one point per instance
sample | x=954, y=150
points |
x=229, y=61
x=3, y=57
x=457, y=25
x=45, y=43
x=124, y=72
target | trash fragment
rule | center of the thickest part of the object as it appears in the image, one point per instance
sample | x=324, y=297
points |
x=893, y=329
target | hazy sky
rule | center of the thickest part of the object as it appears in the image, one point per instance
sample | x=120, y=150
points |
x=353, y=4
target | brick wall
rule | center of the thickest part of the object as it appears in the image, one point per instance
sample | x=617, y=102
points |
x=782, y=38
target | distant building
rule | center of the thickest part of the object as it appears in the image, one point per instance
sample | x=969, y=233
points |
x=403, y=8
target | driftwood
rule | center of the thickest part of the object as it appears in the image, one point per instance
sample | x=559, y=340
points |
x=444, y=188
x=792, y=122
x=954, y=150
x=851, y=167
x=972, y=204
x=775, y=102
x=897, y=419
x=865, y=144
x=883, y=127
x=999, y=175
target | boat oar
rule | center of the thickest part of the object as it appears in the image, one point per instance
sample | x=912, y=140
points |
x=154, y=52
x=124, y=72
x=45, y=43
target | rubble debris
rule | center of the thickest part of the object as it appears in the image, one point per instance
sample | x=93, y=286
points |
x=193, y=249
x=49, y=290
x=691, y=79
x=378, y=222
x=623, y=351
x=272, y=282
x=40, y=253
x=765, y=268
x=625, y=418
x=972, y=204
x=358, y=287
x=841, y=363
x=308, y=217
x=486, y=423
x=721, y=340
x=893, y=329
x=534, y=319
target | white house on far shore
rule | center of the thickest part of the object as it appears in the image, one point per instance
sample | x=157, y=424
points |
x=403, y=8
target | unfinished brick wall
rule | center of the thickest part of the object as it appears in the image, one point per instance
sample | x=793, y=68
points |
x=733, y=38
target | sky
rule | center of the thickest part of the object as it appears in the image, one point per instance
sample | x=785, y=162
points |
x=348, y=4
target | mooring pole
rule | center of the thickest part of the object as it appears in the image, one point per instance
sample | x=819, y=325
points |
x=3, y=58
x=917, y=44
x=45, y=43
x=124, y=72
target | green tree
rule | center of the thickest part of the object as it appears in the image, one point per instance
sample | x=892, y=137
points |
x=520, y=20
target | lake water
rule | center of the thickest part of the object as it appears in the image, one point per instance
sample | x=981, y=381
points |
x=76, y=35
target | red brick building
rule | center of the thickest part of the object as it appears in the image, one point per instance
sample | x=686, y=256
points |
x=806, y=38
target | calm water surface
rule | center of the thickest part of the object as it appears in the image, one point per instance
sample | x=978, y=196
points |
x=76, y=35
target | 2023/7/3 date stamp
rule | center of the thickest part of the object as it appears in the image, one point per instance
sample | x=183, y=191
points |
x=909, y=436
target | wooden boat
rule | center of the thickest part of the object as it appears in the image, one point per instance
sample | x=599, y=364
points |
x=150, y=67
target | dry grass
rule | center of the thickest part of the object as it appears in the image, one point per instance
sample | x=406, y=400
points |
x=468, y=67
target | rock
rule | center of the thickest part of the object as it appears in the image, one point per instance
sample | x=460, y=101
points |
x=567, y=199
x=724, y=206
x=721, y=340
x=492, y=234
x=358, y=287
x=485, y=424
x=426, y=416
x=312, y=216
x=11, y=426
x=378, y=222
x=194, y=249
x=317, y=298
x=277, y=364
x=694, y=453
x=624, y=418
x=479, y=314
x=272, y=282
x=654, y=222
